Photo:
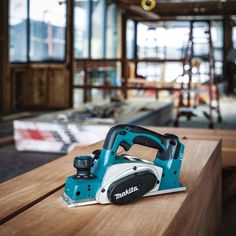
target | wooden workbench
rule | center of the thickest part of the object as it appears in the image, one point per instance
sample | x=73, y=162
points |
x=30, y=203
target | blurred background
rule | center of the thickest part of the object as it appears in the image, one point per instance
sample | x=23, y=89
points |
x=67, y=66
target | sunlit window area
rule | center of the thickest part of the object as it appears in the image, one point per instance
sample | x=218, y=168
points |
x=112, y=44
x=96, y=38
x=41, y=29
x=18, y=29
x=164, y=40
x=98, y=29
x=47, y=30
x=171, y=42
x=130, y=39
x=234, y=32
x=81, y=26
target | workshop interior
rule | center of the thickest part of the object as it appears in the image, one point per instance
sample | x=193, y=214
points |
x=118, y=117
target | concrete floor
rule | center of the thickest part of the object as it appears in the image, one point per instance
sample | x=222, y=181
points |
x=6, y=129
x=228, y=111
x=14, y=163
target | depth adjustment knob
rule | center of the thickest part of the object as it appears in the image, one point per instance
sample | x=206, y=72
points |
x=83, y=166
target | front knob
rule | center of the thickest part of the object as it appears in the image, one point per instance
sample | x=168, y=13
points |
x=83, y=166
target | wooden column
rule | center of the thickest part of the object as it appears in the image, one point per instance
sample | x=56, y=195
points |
x=136, y=46
x=227, y=46
x=5, y=83
x=70, y=48
x=124, y=58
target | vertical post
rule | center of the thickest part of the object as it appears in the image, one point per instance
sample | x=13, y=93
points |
x=136, y=45
x=90, y=11
x=5, y=83
x=70, y=48
x=28, y=32
x=123, y=54
x=228, y=44
x=85, y=69
x=211, y=76
x=214, y=83
x=190, y=66
x=104, y=20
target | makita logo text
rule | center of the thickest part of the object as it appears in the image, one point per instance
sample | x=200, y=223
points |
x=126, y=192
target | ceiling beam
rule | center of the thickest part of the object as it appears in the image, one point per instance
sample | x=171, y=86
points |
x=167, y=9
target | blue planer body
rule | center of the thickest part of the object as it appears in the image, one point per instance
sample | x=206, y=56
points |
x=106, y=177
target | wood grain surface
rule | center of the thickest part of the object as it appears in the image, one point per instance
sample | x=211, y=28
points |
x=19, y=193
x=27, y=186
x=157, y=215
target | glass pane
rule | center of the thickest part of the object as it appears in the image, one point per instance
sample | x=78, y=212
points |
x=79, y=77
x=219, y=68
x=150, y=41
x=112, y=32
x=164, y=40
x=176, y=41
x=218, y=54
x=234, y=37
x=217, y=34
x=98, y=29
x=18, y=30
x=150, y=71
x=130, y=44
x=78, y=97
x=47, y=30
x=172, y=70
x=201, y=39
x=104, y=76
x=81, y=30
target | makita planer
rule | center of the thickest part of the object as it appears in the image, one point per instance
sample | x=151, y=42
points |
x=106, y=177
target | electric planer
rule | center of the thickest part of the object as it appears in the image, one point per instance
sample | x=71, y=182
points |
x=106, y=177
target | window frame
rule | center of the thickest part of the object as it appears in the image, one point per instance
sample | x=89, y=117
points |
x=28, y=36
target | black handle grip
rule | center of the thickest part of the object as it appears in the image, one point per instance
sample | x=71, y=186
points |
x=148, y=142
x=139, y=139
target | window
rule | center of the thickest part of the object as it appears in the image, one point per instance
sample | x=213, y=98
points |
x=130, y=39
x=164, y=40
x=98, y=29
x=18, y=30
x=234, y=37
x=217, y=42
x=47, y=30
x=81, y=30
x=150, y=71
x=111, y=32
x=234, y=31
x=41, y=31
x=169, y=40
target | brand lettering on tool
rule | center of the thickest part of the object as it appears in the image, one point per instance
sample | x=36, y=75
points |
x=126, y=192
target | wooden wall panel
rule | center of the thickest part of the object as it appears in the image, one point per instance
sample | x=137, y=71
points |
x=58, y=88
x=21, y=97
x=39, y=87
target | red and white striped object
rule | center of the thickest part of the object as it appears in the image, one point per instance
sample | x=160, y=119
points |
x=55, y=137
